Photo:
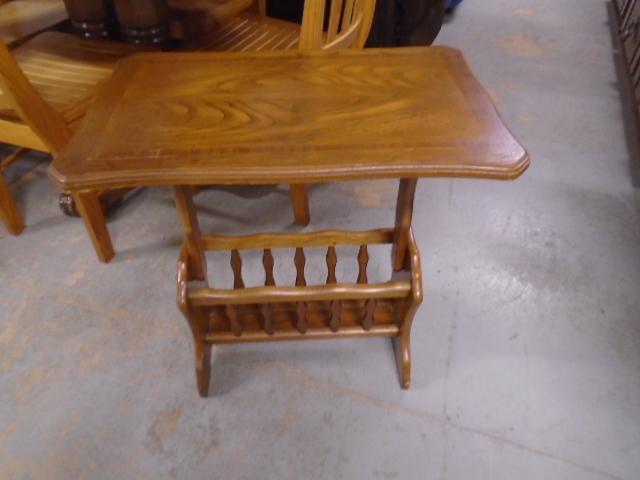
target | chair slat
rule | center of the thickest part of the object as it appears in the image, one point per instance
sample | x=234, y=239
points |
x=334, y=19
x=347, y=14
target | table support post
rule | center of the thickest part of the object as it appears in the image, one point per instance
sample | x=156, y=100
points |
x=300, y=203
x=404, y=215
x=401, y=258
x=198, y=321
x=88, y=205
x=187, y=213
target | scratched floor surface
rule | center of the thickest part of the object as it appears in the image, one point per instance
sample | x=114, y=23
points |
x=526, y=351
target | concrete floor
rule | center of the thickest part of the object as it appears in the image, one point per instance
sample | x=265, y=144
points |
x=526, y=351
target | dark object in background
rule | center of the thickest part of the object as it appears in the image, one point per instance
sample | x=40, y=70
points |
x=452, y=4
x=624, y=19
x=143, y=21
x=396, y=22
x=90, y=18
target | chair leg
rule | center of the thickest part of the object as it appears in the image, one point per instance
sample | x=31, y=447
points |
x=8, y=210
x=108, y=199
x=300, y=201
x=90, y=209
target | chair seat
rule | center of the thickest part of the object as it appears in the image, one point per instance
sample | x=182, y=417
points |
x=65, y=69
x=251, y=31
x=193, y=19
x=20, y=19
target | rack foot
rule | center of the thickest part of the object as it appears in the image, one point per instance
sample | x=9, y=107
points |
x=403, y=359
x=203, y=367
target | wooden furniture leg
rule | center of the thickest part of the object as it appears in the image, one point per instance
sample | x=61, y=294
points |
x=192, y=266
x=202, y=350
x=197, y=319
x=300, y=203
x=183, y=197
x=404, y=259
x=404, y=215
x=9, y=212
x=108, y=199
x=88, y=205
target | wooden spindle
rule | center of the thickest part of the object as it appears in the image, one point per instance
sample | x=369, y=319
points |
x=332, y=261
x=336, y=313
x=301, y=322
x=234, y=319
x=300, y=260
x=370, y=304
x=363, y=261
x=336, y=305
x=267, y=261
x=267, y=318
x=233, y=311
x=269, y=280
x=236, y=266
x=301, y=309
x=367, y=318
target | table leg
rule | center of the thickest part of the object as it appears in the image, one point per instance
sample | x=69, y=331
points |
x=88, y=205
x=9, y=212
x=405, y=257
x=404, y=215
x=186, y=211
x=197, y=318
x=300, y=203
x=193, y=266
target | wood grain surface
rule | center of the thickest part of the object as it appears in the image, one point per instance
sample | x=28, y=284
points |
x=289, y=117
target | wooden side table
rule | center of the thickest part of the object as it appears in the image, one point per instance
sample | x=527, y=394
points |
x=290, y=117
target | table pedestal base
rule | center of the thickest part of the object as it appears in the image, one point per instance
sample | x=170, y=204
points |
x=299, y=312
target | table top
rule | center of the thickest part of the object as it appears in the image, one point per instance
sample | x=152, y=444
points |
x=289, y=117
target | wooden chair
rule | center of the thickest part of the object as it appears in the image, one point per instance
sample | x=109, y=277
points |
x=21, y=19
x=347, y=26
x=45, y=86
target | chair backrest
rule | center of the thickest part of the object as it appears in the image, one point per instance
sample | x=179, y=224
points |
x=39, y=118
x=348, y=24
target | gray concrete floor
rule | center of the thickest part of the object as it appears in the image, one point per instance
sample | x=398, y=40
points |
x=526, y=351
